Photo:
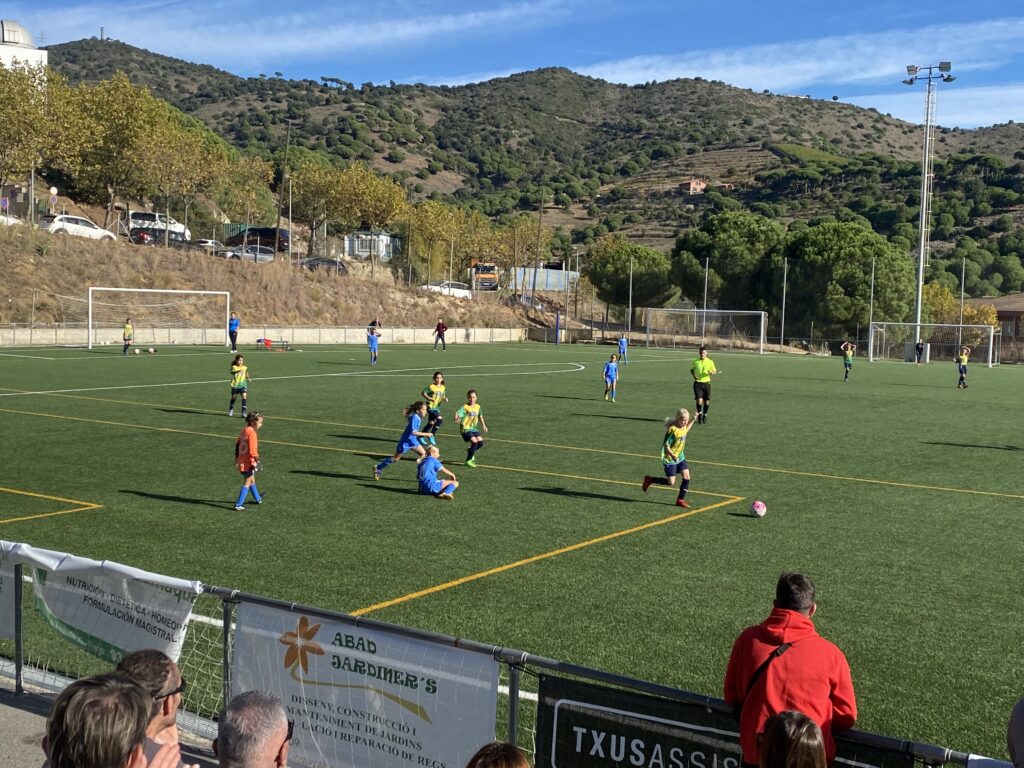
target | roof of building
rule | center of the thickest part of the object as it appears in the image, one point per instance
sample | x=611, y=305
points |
x=1013, y=302
x=12, y=33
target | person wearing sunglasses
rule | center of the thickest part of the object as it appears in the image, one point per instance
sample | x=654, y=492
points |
x=157, y=673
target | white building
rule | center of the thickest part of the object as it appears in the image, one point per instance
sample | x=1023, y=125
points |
x=364, y=244
x=16, y=46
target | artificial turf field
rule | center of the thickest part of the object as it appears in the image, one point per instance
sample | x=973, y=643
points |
x=898, y=493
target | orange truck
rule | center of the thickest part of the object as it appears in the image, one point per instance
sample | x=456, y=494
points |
x=483, y=276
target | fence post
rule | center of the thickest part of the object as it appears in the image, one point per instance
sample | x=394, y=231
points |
x=19, y=640
x=514, y=673
x=227, y=608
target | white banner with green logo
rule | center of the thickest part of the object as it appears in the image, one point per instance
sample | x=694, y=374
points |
x=106, y=608
x=363, y=697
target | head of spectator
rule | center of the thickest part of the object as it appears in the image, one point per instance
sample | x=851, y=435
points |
x=792, y=740
x=156, y=672
x=98, y=722
x=795, y=592
x=253, y=732
x=498, y=754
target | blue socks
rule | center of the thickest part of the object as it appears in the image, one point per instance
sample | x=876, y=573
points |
x=255, y=494
x=384, y=464
x=241, y=496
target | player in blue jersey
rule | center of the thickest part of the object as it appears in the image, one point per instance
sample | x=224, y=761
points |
x=673, y=456
x=623, y=349
x=427, y=470
x=409, y=441
x=611, y=377
x=372, y=340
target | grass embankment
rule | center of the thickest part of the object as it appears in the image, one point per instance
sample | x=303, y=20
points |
x=274, y=293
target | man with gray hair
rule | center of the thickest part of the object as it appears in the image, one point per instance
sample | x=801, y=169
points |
x=253, y=732
x=100, y=722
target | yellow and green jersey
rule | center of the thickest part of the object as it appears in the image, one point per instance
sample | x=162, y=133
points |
x=962, y=359
x=673, y=449
x=434, y=394
x=848, y=355
x=469, y=418
x=239, y=376
x=128, y=332
x=702, y=370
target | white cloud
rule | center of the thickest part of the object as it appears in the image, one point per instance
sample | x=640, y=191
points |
x=842, y=59
x=954, y=107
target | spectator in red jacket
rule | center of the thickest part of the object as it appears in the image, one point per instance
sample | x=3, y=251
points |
x=782, y=664
x=439, y=330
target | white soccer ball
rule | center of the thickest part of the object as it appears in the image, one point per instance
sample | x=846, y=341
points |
x=151, y=350
x=138, y=351
x=758, y=509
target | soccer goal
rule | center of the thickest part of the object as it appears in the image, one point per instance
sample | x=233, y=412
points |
x=718, y=328
x=897, y=341
x=158, y=316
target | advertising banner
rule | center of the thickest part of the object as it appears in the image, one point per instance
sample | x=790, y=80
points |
x=362, y=697
x=580, y=725
x=106, y=608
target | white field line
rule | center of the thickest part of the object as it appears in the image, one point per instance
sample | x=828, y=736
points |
x=577, y=367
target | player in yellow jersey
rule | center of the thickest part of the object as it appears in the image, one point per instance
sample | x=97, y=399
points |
x=673, y=456
x=127, y=334
x=434, y=394
x=702, y=369
x=239, y=384
x=849, y=350
x=471, y=423
x=961, y=363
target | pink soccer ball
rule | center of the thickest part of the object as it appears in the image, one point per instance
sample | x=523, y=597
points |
x=758, y=509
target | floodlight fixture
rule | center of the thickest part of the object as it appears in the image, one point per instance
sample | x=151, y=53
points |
x=910, y=81
x=945, y=66
x=911, y=70
x=948, y=78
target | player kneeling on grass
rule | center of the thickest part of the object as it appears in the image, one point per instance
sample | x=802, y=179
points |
x=427, y=470
x=247, y=458
x=471, y=421
x=673, y=456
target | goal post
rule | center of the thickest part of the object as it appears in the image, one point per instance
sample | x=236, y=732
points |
x=718, y=328
x=942, y=341
x=159, y=316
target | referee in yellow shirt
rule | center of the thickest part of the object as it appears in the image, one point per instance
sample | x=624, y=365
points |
x=702, y=370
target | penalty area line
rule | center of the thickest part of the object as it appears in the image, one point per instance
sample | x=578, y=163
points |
x=538, y=558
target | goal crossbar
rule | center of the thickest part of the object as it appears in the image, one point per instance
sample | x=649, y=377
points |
x=942, y=341
x=98, y=290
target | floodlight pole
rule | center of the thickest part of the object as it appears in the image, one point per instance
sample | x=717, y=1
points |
x=934, y=74
x=782, y=329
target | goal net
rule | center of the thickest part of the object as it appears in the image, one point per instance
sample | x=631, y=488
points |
x=898, y=341
x=157, y=316
x=718, y=328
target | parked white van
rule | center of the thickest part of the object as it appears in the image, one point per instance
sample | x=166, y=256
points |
x=154, y=220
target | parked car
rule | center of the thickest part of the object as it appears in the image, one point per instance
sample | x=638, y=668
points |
x=155, y=220
x=66, y=224
x=6, y=218
x=261, y=236
x=450, y=288
x=328, y=265
x=145, y=236
x=259, y=254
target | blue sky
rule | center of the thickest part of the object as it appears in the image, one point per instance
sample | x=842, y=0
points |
x=856, y=51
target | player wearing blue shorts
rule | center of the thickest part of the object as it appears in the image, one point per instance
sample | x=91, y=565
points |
x=673, y=456
x=372, y=340
x=471, y=421
x=409, y=441
x=611, y=378
x=848, y=352
x=427, y=470
x=623, y=349
x=434, y=394
x=961, y=366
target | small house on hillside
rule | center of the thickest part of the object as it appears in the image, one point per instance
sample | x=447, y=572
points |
x=1009, y=312
x=365, y=244
x=694, y=186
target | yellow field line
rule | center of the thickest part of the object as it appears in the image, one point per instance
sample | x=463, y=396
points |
x=309, y=446
x=584, y=449
x=537, y=558
x=84, y=506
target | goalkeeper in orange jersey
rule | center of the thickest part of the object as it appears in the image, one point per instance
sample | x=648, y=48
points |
x=247, y=459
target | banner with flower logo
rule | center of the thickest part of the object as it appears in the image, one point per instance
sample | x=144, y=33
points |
x=363, y=697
